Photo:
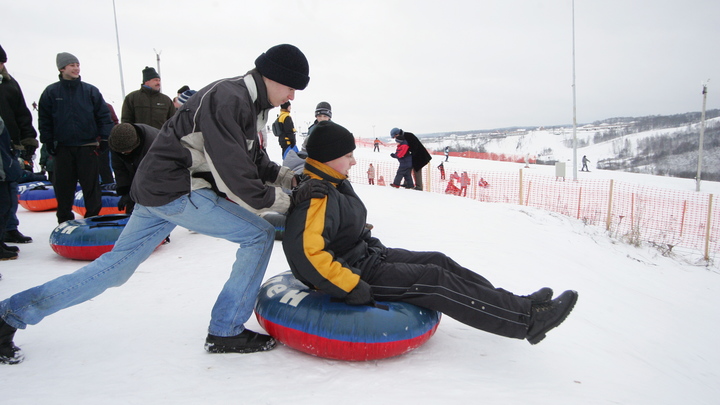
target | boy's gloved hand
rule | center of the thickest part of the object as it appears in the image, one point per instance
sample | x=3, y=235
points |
x=360, y=295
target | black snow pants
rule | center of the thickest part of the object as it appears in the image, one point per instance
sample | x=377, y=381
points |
x=75, y=164
x=434, y=281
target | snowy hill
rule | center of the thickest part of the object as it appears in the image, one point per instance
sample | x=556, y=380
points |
x=556, y=145
x=641, y=333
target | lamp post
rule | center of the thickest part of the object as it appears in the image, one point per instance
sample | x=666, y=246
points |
x=702, y=135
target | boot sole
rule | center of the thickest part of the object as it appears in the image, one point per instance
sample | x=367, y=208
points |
x=541, y=335
x=213, y=348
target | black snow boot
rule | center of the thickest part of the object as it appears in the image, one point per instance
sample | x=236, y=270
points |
x=7, y=254
x=10, y=248
x=246, y=342
x=540, y=296
x=546, y=316
x=16, y=236
x=9, y=353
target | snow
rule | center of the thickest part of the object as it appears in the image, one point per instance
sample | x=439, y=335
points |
x=643, y=331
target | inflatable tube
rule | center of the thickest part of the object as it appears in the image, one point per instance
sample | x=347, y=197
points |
x=110, y=201
x=88, y=238
x=314, y=323
x=39, y=197
x=24, y=186
x=278, y=221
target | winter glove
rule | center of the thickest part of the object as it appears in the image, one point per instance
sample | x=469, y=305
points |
x=50, y=147
x=123, y=202
x=393, y=155
x=285, y=178
x=309, y=189
x=282, y=202
x=360, y=295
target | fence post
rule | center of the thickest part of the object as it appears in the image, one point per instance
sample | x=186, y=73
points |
x=579, y=202
x=707, y=228
x=520, y=194
x=610, y=203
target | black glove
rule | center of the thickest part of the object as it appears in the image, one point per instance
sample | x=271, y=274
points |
x=308, y=189
x=124, y=200
x=29, y=152
x=360, y=295
x=50, y=147
x=393, y=155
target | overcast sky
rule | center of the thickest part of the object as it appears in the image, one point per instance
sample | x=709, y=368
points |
x=424, y=66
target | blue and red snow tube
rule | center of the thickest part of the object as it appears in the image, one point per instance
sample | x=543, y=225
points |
x=87, y=238
x=314, y=323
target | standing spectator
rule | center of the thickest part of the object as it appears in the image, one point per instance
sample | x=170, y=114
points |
x=148, y=105
x=183, y=97
x=371, y=174
x=483, y=183
x=418, y=154
x=329, y=247
x=464, y=183
x=441, y=167
x=180, y=91
x=129, y=144
x=284, y=129
x=323, y=112
x=23, y=138
x=204, y=172
x=105, y=169
x=9, y=173
x=447, y=153
x=585, y=161
x=376, y=145
x=403, y=176
x=72, y=118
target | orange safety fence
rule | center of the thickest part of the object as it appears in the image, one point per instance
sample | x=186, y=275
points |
x=672, y=220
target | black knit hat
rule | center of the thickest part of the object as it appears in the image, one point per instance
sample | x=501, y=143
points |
x=149, y=73
x=123, y=138
x=323, y=108
x=286, y=65
x=3, y=55
x=329, y=141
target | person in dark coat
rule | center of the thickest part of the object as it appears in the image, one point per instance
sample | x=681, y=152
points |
x=147, y=105
x=284, y=129
x=23, y=138
x=9, y=173
x=73, y=120
x=419, y=155
x=129, y=144
x=329, y=247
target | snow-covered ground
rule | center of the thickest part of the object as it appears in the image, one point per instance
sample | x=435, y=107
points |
x=643, y=331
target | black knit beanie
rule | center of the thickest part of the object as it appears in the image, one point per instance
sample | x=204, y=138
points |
x=3, y=55
x=149, y=73
x=286, y=65
x=329, y=141
x=323, y=108
x=123, y=138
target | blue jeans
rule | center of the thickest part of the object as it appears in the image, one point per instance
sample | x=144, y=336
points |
x=201, y=211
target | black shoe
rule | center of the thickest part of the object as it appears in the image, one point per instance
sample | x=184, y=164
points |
x=15, y=236
x=10, y=248
x=9, y=353
x=7, y=254
x=246, y=342
x=540, y=296
x=544, y=317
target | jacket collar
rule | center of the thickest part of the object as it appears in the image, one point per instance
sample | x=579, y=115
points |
x=321, y=171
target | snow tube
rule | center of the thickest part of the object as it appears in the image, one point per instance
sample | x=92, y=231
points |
x=24, y=186
x=278, y=221
x=40, y=197
x=313, y=322
x=110, y=201
x=88, y=238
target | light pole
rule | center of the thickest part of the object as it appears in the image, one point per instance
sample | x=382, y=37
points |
x=702, y=135
x=117, y=37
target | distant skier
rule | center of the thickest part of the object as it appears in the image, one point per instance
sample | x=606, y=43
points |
x=585, y=161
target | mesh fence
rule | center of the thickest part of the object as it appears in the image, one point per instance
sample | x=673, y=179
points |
x=672, y=220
